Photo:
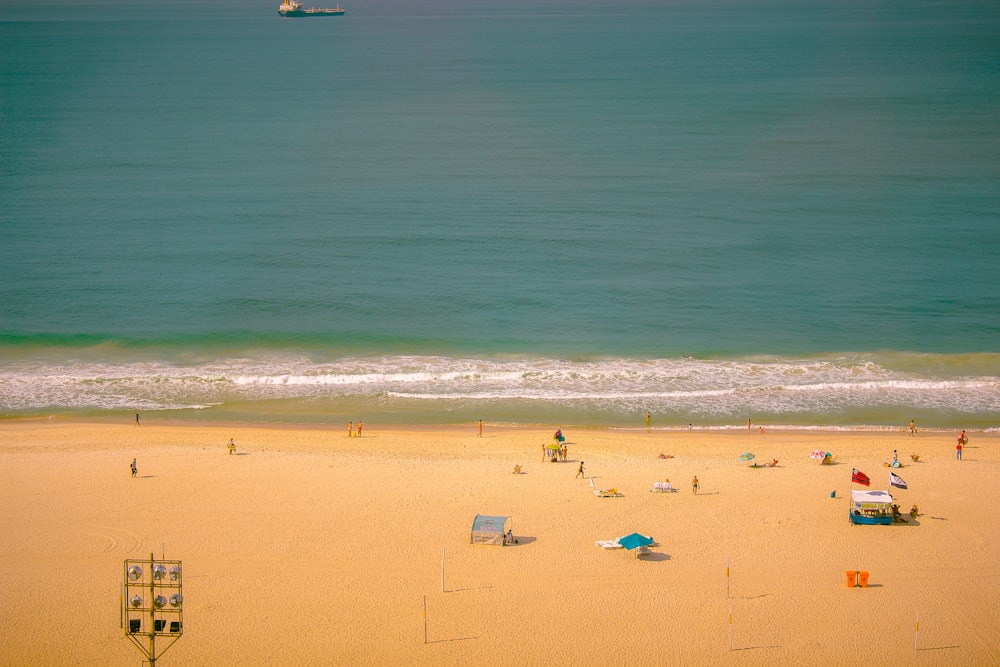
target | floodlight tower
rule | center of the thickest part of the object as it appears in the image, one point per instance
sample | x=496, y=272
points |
x=160, y=613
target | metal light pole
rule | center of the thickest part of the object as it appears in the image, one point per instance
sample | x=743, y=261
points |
x=152, y=605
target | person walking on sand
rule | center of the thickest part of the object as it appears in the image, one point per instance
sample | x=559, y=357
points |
x=649, y=420
x=694, y=484
x=137, y=419
x=913, y=428
x=359, y=428
x=480, y=434
x=958, y=445
x=350, y=429
x=134, y=468
x=580, y=473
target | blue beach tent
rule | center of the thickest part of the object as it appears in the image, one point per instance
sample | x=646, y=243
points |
x=489, y=529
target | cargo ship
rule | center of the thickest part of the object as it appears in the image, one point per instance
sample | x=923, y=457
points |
x=294, y=8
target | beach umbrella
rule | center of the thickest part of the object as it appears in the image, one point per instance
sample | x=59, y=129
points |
x=746, y=456
x=635, y=540
x=817, y=454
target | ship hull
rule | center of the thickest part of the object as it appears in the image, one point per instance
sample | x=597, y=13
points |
x=312, y=12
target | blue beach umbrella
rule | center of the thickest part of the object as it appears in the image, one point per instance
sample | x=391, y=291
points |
x=635, y=540
x=746, y=456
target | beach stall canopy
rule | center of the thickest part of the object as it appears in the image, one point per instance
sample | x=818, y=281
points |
x=863, y=497
x=489, y=529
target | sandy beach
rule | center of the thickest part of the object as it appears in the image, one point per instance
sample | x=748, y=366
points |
x=307, y=547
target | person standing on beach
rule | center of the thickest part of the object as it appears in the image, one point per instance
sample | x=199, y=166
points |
x=958, y=445
x=480, y=434
x=694, y=484
x=913, y=428
x=137, y=419
x=350, y=429
x=748, y=424
x=580, y=473
x=359, y=428
x=134, y=468
x=649, y=420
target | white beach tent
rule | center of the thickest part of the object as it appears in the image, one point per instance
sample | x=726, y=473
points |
x=489, y=529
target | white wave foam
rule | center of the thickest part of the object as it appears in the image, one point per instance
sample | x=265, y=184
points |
x=684, y=385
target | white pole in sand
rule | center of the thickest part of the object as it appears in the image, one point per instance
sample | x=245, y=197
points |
x=442, y=571
x=916, y=633
x=425, y=619
x=730, y=627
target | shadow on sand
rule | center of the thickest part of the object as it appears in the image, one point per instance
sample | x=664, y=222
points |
x=655, y=556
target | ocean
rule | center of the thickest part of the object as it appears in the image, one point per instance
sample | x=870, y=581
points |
x=555, y=212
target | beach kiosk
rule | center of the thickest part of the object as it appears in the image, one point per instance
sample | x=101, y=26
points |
x=871, y=507
x=491, y=530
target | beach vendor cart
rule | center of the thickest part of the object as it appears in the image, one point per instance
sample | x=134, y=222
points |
x=871, y=507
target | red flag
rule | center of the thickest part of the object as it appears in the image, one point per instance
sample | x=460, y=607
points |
x=859, y=477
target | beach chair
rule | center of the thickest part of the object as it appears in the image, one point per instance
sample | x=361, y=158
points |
x=663, y=487
x=609, y=544
x=607, y=493
x=642, y=551
x=914, y=457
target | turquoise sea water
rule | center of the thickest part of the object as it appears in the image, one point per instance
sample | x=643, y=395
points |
x=549, y=212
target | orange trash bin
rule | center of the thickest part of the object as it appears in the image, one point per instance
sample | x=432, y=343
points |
x=852, y=578
x=863, y=579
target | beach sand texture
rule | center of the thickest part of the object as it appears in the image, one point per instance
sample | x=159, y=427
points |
x=310, y=548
